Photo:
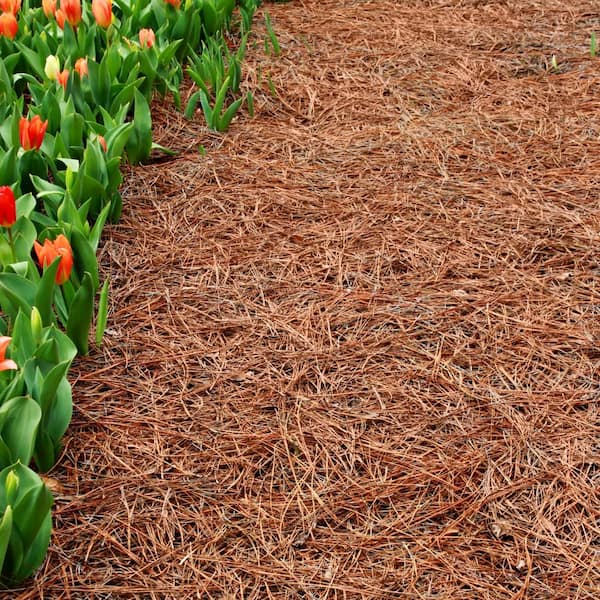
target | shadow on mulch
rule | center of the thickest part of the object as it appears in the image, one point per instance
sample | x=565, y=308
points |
x=353, y=350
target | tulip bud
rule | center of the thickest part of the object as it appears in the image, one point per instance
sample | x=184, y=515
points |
x=11, y=6
x=49, y=7
x=36, y=324
x=8, y=208
x=102, y=10
x=147, y=38
x=6, y=364
x=31, y=133
x=63, y=77
x=71, y=11
x=11, y=487
x=52, y=67
x=81, y=66
x=47, y=253
x=102, y=143
x=8, y=25
x=174, y=3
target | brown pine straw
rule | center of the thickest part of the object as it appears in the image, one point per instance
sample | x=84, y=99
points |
x=353, y=351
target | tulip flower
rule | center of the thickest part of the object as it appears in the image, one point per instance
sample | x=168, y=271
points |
x=8, y=25
x=60, y=18
x=102, y=10
x=10, y=6
x=52, y=67
x=102, y=142
x=48, y=253
x=8, y=207
x=63, y=77
x=31, y=133
x=5, y=363
x=70, y=10
x=147, y=38
x=174, y=3
x=49, y=7
x=81, y=67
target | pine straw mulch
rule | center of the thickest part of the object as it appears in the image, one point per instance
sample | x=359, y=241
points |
x=353, y=350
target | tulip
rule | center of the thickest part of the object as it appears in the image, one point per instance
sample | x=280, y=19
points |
x=71, y=11
x=8, y=207
x=60, y=18
x=102, y=10
x=147, y=38
x=6, y=363
x=81, y=67
x=102, y=143
x=174, y=3
x=8, y=25
x=10, y=6
x=63, y=77
x=31, y=133
x=48, y=253
x=49, y=7
x=52, y=67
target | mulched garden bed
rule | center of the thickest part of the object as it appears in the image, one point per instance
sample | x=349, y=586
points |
x=353, y=350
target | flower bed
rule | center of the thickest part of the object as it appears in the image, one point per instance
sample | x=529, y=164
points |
x=75, y=84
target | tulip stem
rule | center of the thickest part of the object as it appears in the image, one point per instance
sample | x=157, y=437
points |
x=11, y=242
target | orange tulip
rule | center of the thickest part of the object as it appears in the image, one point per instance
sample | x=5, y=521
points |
x=147, y=38
x=63, y=77
x=8, y=25
x=174, y=3
x=49, y=7
x=5, y=363
x=102, y=143
x=102, y=10
x=31, y=133
x=50, y=251
x=8, y=207
x=60, y=18
x=70, y=11
x=81, y=67
x=10, y=6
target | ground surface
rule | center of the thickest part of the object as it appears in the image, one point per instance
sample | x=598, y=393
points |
x=353, y=350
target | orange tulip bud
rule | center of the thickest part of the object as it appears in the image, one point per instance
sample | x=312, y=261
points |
x=81, y=67
x=174, y=3
x=63, y=78
x=48, y=253
x=6, y=363
x=11, y=6
x=8, y=207
x=102, y=143
x=147, y=38
x=71, y=11
x=31, y=133
x=8, y=25
x=49, y=7
x=102, y=10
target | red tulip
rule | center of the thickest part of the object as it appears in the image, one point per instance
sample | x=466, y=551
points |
x=71, y=11
x=11, y=6
x=31, y=133
x=6, y=363
x=81, y=67
x=147, y=38
x=49, y=7
x=174, y=3
x=48, y=253
x=63, y=77
x=8, y=207
x=102, y=10
x=8, y=25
